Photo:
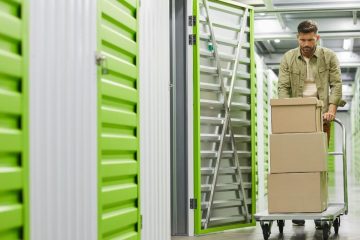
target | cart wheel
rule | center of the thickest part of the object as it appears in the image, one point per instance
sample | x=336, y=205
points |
x=326, y=231
x=281, y=224
x=266, y=230
x=336, y=225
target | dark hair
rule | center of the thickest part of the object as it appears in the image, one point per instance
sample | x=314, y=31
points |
x=307, y=26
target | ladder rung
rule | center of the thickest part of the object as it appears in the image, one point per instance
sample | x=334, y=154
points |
x=224, y=171
x=220, y=121
x=225, y=187
x=225, y=72
x=225, y=9
x=227, y=26
x=216, y=137
x=225, y=203
x=216, y=87
x=223, y=220
x=224, y=56
x=225, y=154
x=212, y=104
x=225, y=41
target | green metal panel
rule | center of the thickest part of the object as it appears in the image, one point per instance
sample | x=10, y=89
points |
x=118, y=120
x=14, y=217
x=331, y=159
x=200, y=55
x=253, y=111
x=331, y=164
x=196, y=99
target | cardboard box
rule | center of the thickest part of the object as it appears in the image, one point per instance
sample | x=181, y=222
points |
x=296, y=115
x=298, y=152
x=297, y=192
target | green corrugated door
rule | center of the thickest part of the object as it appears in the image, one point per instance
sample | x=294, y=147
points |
x=13, y=121
x=224, y=130
x=118, y=139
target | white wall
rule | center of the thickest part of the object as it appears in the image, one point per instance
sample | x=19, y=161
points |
x=63, y=140
x=155, y=119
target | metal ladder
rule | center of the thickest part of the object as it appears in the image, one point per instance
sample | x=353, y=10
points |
x=224, y=122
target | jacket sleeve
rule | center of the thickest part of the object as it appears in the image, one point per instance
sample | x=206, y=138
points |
x=284, y=87
x=335, y=81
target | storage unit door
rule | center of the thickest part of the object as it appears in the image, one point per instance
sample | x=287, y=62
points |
x=118, y=117
x=224, y=120
x=13, y=120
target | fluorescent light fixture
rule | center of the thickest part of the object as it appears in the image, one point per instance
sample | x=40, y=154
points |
x=262, y=14
x=347, y=43
x=277, y=40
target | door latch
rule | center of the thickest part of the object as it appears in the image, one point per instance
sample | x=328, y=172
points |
x=100, y=60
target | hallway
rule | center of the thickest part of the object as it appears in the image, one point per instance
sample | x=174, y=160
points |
x=349, y=229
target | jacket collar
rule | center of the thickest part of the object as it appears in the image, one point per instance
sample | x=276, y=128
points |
x=316, y=53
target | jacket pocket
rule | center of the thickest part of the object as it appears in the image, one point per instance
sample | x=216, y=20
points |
x=295, y=81
x=324, y=75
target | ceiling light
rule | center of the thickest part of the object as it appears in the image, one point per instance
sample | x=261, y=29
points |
x=262, y=14
x=347, y=44
x=277, y=40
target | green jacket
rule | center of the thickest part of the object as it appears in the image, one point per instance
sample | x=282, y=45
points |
x=327, y=73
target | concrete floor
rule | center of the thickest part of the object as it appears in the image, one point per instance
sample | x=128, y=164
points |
x=349, y=229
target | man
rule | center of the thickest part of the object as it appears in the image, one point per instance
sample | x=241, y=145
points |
x=310, y=71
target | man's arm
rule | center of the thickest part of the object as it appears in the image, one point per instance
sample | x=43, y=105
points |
x=284, y=87
x=331, y=113
x=335, y=88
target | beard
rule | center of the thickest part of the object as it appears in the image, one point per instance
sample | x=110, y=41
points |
x=308, y=49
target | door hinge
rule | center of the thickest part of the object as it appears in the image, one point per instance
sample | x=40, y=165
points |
x=192, y=20
x=141, y=221
x=193, y=203
x=192, y=39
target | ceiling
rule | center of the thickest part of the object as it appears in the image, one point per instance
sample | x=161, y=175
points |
x=338, y=22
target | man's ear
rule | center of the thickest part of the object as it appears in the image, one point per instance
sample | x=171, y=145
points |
x=317, y=37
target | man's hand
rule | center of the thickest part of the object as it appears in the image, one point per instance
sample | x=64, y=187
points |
x=331, y=114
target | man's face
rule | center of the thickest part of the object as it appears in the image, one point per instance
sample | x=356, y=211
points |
x=307, y=42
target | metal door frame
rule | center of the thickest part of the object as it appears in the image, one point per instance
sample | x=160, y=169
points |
x=179, y=115
x=196, y=130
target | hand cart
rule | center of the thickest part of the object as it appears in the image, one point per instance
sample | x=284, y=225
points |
x=330, y=217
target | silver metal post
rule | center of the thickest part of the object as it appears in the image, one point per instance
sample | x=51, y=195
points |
x=344, y=162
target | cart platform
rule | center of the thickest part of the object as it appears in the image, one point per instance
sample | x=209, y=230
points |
x=333, y=211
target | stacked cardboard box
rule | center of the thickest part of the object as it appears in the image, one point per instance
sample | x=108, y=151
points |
x=298, y=157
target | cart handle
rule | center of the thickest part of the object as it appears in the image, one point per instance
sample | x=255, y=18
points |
x=343, y=153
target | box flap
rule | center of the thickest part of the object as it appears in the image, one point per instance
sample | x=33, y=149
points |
x=296, y=101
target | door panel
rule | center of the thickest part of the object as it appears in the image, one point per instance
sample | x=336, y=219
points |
x=13, y=120
x=118, y=117
x=224, y=116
